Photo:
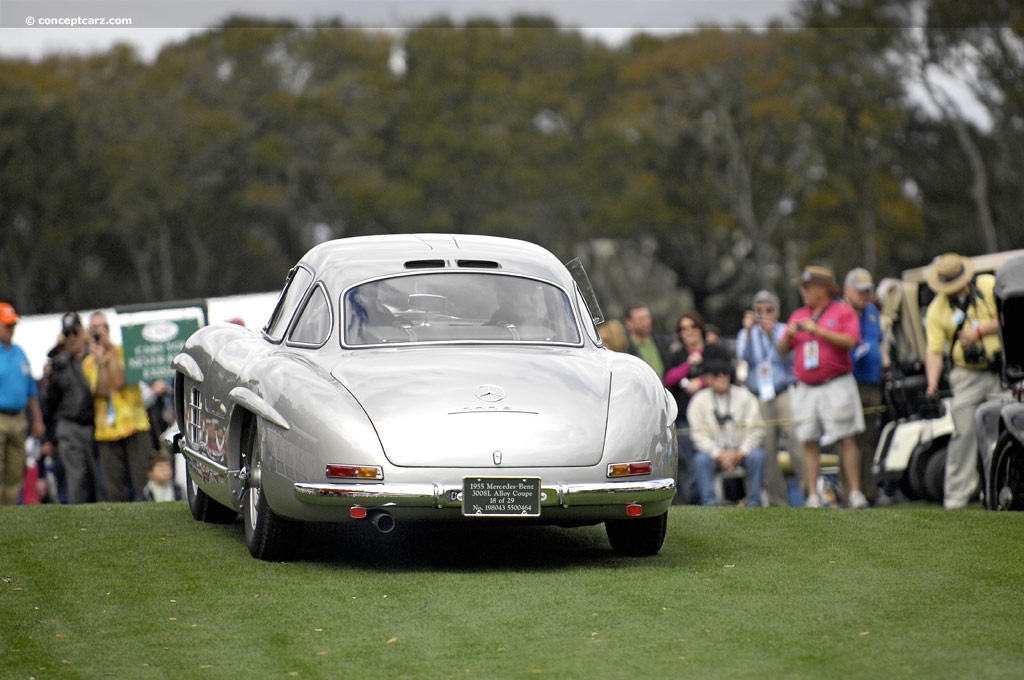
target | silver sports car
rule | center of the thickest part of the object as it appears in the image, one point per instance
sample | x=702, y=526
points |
x=413, y=378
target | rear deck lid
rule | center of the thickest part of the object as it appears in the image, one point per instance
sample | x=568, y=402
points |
x=483, y=407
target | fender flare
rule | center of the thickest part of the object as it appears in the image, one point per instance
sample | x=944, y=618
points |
x=246, y=398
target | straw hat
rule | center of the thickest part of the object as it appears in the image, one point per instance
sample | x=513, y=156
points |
x=821, y=275
x=951, y=273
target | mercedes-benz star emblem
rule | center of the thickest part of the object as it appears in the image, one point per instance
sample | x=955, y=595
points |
x=489, y=393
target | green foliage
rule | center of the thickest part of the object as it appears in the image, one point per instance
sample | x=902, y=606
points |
x=143, y=591
x=744, y=154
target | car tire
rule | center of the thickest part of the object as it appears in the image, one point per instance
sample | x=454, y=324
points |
x=1007, y=472
x=267, y=535
x=204, y=508
x=641, y=537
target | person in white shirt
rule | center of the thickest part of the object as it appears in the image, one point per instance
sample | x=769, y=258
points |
x=726, y=428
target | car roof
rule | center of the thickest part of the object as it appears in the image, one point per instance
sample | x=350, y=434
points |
x=347, y=261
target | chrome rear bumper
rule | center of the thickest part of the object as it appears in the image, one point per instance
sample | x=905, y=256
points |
x=438, y=496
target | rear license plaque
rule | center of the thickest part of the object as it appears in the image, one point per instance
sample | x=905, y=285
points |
x=501, y=496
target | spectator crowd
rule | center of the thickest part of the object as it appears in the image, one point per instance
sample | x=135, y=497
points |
x=82, y=433
x=754, y=412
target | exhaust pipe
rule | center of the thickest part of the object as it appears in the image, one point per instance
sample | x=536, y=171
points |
x=382, y=521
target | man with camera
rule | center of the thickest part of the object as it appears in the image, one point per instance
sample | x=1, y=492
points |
x=69, y=402
x=122, y=423
x=770, y=377
x=826, y=403
x=962, y=321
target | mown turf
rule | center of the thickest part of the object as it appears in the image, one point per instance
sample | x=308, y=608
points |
x=142, y=591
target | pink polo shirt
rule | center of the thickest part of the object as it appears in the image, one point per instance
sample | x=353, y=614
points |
x=832, y=361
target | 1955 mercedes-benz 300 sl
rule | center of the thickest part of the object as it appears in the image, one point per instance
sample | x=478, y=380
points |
x=425, y=377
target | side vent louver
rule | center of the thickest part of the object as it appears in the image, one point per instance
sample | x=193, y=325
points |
x=194, y=417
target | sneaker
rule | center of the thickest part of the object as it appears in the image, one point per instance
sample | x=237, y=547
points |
x=813, y=501
x=857, y=500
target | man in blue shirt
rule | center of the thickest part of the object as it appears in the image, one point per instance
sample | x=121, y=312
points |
x=769, y=376
x=870, y=359
x=18, y=394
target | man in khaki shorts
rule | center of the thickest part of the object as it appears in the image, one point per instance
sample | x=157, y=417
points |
x=826, y=403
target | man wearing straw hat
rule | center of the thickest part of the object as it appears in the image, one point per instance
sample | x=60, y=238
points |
x=826, y=403
x=962, y=320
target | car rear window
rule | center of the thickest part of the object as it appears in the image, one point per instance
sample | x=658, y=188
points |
x=458, y=307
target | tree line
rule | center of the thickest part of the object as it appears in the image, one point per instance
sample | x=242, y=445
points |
x=690, y=169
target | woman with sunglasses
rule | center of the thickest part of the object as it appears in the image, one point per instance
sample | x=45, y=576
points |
x=683, y=378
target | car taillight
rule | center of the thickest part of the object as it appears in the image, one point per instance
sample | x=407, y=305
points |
x=354, y=472
x=629, y=469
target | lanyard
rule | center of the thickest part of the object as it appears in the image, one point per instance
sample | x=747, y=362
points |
x=822, y=312
x=765, y=343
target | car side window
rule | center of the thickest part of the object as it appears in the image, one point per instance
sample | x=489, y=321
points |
x=313, y=325
x=294, y=290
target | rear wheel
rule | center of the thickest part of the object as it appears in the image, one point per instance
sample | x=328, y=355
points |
x=641, y=537
x=266, y=534
x=204, y=508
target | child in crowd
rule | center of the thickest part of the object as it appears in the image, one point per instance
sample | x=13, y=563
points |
x=161, y=485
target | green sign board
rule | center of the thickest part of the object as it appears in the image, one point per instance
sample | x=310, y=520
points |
x=149, y=347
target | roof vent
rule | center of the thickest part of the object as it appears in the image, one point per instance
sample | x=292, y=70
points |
x=479, y=264
x=425, y=264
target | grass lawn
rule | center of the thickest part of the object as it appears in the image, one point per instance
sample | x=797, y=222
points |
x=143, y=591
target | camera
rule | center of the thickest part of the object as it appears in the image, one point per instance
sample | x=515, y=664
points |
x=96, y=336
x=975, y=354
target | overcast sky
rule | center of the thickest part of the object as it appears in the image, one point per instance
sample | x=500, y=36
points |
x=26, y=25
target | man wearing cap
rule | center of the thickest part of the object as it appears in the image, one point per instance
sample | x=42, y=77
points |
x=726, y=428
x=962, y=320
x=826, y=404
x=18, y=394
x=770, y=377
x=870, y=361
x=69, y=398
